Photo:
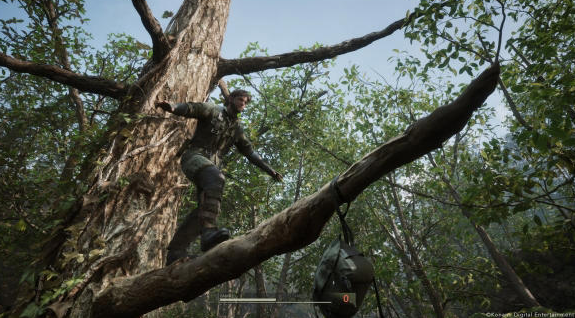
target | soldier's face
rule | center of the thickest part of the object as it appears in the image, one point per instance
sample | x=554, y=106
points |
x=240, y=103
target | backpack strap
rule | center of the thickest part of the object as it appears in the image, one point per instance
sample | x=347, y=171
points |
x=347, y=234
x=377, y=297
x=339, y=198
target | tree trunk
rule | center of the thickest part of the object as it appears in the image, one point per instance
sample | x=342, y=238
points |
x=510, y=275
x=261, y=291
x=280, y=288
x=395, y=237
x=259, y=278
x=126, y=218
x=417, y=264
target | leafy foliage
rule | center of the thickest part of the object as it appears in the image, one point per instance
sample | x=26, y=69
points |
x=515, y=181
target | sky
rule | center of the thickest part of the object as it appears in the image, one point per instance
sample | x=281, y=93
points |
x=279, y=26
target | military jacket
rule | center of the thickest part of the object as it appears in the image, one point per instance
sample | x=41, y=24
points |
x=216, y=130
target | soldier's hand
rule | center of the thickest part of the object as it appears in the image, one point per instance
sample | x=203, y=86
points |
x=165, y=106
x=278, y=177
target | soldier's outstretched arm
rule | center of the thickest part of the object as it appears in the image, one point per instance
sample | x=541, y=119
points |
x=245, y=148
x=190, y=110
x=258, y=161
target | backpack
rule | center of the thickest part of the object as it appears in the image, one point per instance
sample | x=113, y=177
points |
x=342, y=278
x=343, y=274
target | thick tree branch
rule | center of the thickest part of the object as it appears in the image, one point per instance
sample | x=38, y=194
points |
x=260, y=63
x=295, y=227
x=161, y=45
x=91, y=84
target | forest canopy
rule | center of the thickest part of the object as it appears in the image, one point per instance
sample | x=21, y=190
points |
x=478, y=218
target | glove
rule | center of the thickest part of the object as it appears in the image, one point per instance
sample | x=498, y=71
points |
x=165, y=106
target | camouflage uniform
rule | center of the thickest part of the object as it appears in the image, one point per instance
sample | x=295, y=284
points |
x=216, y=132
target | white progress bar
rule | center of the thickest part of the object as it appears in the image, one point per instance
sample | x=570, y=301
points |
x=269, y=301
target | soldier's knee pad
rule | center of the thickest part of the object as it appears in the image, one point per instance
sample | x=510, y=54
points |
x=210, y=180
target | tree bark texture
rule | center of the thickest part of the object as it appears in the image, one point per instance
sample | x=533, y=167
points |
x=128, y=215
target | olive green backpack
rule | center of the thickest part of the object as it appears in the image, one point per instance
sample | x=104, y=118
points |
x=344, y=274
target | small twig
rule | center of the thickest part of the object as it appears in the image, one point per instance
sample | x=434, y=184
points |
x=485, y=48
x=24, y=217
x=500, y=30
x=464, y=47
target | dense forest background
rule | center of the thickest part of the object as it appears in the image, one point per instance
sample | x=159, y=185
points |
x=439, y=230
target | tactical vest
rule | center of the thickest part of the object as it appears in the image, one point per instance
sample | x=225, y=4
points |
x=217, y=135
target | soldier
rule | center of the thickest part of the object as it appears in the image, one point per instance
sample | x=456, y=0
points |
x=218, y=128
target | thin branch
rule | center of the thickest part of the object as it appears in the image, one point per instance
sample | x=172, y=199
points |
x=510, y=101
x=485, y=48
x=161, y=45
x=500, y=30
x=91, y=84
x=523, y=58
x=464, y=47
x=24, y=216
x=260, y=63
x=224, y=88
x=513, y=106
x=289, y=120
x=421, y=194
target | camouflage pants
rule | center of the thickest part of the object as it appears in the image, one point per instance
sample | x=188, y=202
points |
x=209, y=181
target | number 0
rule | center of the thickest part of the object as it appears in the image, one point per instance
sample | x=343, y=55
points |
x=345, y=298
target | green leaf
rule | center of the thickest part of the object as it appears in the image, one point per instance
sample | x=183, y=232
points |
x=31, y=311
x=537, y=220
x=540, y=141
x=21, y=225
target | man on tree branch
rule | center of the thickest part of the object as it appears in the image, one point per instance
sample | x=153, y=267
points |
x=218, y=128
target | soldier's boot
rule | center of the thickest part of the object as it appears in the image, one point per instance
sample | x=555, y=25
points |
x=185, y=234
x=210, y=181
x=212, y=237
x=208, y=213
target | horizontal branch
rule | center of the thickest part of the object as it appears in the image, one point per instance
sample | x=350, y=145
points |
x=295, y=227
x=90, y=84
x=161, y=45
x=260, y=63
